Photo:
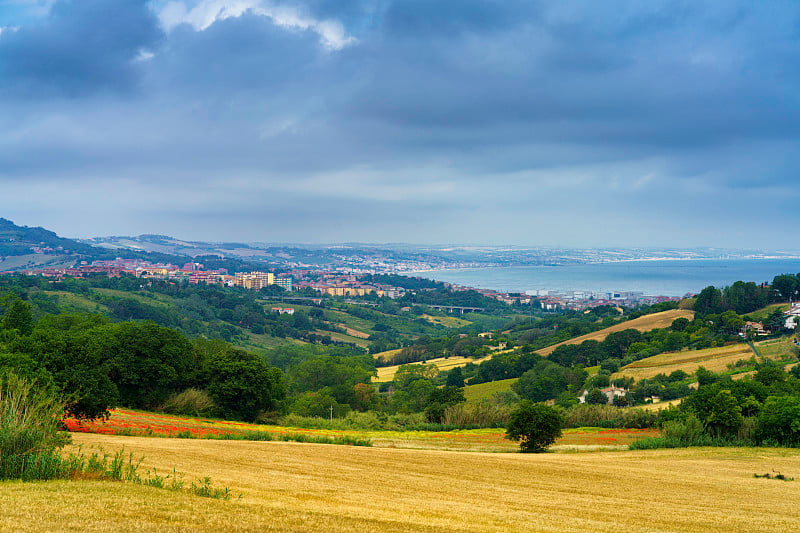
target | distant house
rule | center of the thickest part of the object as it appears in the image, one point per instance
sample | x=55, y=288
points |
x=792, y=316
x=610, y=392
x=485, y=334
x=283, y=310
x=756, y=327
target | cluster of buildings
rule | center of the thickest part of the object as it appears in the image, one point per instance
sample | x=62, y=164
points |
x=347, y=284
x=338, y=284
x=792, y=316
x=581, y=300
x=573, y=300
x=193, y=273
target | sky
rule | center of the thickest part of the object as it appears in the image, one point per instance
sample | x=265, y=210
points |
x=569, y=123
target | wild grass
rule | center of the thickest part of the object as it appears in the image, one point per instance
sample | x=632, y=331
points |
x=484, y=414
x=608, y=416
x=191, y=402
x=126, y=468
x=30, y=444
x=29, y=436
x=455, y=418
x=691, y=432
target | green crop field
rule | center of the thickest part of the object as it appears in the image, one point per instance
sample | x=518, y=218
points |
x=482, y=391
x=155, y=299
x=764, y=312
x=72, y=302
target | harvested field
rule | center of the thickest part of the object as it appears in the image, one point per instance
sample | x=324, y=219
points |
x=354, y=332
x=714, y=359
x=306, y=487
x=447, y=321
x=387, y=353
x=643, y=323
x=386, y=373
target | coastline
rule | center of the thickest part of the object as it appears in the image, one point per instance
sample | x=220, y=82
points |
x=652, y=277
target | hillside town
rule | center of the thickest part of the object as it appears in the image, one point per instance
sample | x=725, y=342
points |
x=335, y=283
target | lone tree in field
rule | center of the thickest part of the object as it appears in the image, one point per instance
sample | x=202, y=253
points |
x=536, y=426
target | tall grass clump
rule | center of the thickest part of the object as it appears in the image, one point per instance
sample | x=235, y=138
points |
x=484, y=414
x=191, y=402
x=692, y=432
x=454, y=417
x=30, y=418
x=608, y=416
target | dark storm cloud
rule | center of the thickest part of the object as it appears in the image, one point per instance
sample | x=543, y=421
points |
x=414, y=107
x=81, y=47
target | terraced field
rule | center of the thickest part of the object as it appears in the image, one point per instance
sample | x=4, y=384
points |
x=714, y=359
x=643, y=323
x=307, y=487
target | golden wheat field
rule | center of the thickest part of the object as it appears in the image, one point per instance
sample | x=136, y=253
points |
x=714, y=359
x=307, y=487
x=386, y=373
x=643, y=323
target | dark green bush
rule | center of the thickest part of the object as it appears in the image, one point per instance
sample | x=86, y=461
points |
x=534, y=425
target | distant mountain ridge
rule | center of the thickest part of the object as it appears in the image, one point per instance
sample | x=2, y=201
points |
x=25, y=248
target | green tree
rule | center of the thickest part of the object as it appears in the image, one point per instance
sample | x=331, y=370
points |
x=534, y=426
x=318, y=403
x=725, y=414
x=779, y=420
x=596, y=397
x=147, y=362
x=442, y=398
x=545, y=381
x=680, y=324
x=709, y=301
x=775, y=321
x=769, y=373
x=18, y=316
x=243, y=385
x=786, y=285
x=455, y=378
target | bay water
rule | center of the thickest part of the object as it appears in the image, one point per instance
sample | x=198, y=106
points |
x=653, y=278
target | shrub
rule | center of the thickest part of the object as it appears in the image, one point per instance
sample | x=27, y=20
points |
x=686, y=432
x=535, y=426
x=191, y=402
x=778, y=420
x=30, y=418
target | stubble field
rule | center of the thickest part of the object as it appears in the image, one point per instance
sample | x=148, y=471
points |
x=307, y=487
x=644, y=323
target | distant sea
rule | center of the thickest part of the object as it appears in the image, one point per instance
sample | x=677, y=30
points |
x=654, y=278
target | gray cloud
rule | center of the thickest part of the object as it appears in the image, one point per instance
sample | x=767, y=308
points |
x=407, y=120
